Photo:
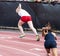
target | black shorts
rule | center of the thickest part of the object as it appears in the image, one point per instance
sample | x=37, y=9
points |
x=50, y=44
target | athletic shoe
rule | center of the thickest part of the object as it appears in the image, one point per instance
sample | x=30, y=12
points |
x=37, y=38
x=21, y=36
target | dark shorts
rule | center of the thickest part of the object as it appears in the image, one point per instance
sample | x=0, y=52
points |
x=50, y=44
x=26, y=18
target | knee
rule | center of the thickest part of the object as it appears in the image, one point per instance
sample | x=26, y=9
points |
x=48, y=51
x=19, y=24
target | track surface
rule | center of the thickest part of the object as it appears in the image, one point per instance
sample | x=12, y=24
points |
x=12, y=45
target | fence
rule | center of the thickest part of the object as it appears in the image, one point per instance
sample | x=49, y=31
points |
x=41, y=14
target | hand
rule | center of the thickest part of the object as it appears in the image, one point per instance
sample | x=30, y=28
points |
x=20, y=5
x=17, y=10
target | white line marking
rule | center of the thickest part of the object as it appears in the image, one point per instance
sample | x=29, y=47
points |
x=36, y=49
x=5, y=36
x=24, y=43
x=33, y=39
x=1, y=55
x=19, y=50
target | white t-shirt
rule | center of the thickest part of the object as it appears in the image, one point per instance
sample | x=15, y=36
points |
x=23, y=12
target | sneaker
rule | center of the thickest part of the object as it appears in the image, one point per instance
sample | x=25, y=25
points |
x=21, y=36
x=37, y=38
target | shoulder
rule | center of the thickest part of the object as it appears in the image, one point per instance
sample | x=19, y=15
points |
x=54, y=34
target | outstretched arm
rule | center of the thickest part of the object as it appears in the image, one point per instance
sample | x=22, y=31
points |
x=18, y=8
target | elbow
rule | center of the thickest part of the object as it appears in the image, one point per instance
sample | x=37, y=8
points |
x=55, y=38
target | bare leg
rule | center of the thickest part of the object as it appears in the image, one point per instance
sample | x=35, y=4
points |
x=33, y=29
x=54, y=52
x=31, y=26
x=48, y=52
x=20, y=23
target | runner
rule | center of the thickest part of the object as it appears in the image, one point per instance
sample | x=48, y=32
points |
x=50, y=40
x=25, y=18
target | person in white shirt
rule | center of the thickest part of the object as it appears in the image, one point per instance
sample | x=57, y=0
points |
x=25, y=18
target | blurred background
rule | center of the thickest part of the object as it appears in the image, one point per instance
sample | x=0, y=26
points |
x=58, y=1
x=41, y=13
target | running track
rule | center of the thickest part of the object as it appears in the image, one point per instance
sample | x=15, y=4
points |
x=12, y=45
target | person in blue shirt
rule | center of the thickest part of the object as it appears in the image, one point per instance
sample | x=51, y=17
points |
x=50, y=40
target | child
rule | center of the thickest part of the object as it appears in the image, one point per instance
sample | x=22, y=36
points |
x=25, y=18
x=50, y=40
